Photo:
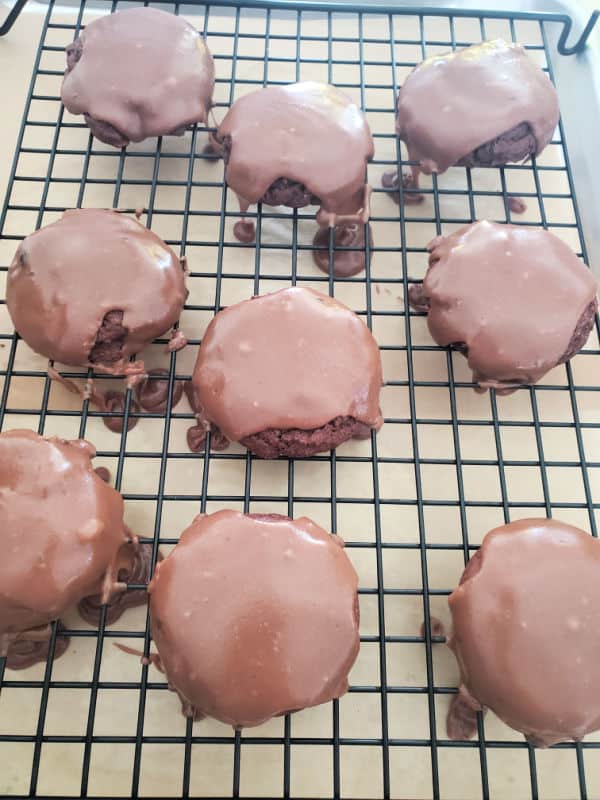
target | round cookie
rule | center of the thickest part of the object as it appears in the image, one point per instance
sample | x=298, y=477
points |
x=255, y=616
x=297, y=145
x=515, y=300
x=526, y=633
x=290, y=373
x=62, y=536
x=138, y=73
x=94, y=288
x=486, y=105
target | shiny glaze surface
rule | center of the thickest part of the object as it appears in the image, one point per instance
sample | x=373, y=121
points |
x=65, y=277
x=512, y=294
x=527, y=628
x=291, y=359
x=142, y=70
x=255, y=616
x=307, y=132
x=452, y=103
x=61, y=528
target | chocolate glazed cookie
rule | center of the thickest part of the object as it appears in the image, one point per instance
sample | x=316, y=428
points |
x=299, y=145
x=93, y=289
x=516, y=301
x=288, y=374
x=296, y=646
x=138, y=73
x=62, y=537
x=525, y=634
x=484, y=106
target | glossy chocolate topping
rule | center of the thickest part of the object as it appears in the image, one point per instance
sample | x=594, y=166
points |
x=307, y=132
x=526, y=628
x=452, y=103
x=255, y=616
x=142, y=71
x=513, y=295
x=291, y=359
x=68, y=280
x=61, y=528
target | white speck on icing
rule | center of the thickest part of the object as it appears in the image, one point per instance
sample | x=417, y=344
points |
x=90, y=529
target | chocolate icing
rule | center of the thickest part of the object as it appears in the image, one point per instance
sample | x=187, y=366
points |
x=517, y=205
x=454, y=103
x=310, y=133
x=67, y=277
x=319, y=144
x=410, y=185
x=436, y=627
x=509, y=297
x=196, y=438
x=177, y=341
x=134, y=565
x=138, y=73
x=244, y=231
x=115, y=401
x=153, y=392
x=255, y=616
x=461, y=722
x=526, y=635
x=197, y=434
x=61, y=530
x=34, y=646
x=291, y=359
x=345, y=262
x=103, y=473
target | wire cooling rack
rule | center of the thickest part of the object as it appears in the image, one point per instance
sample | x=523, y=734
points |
x=412, y=503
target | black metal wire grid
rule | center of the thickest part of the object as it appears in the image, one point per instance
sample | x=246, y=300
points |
x=446, y=460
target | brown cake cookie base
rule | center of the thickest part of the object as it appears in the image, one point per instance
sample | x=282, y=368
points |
x=108, y=134
x=296, y=443
x=512, y=146
x=137, y=569
x=581, y=332
x=284, y=192
x=108, y=347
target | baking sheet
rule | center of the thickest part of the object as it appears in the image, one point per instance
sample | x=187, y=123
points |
x=512, y=449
